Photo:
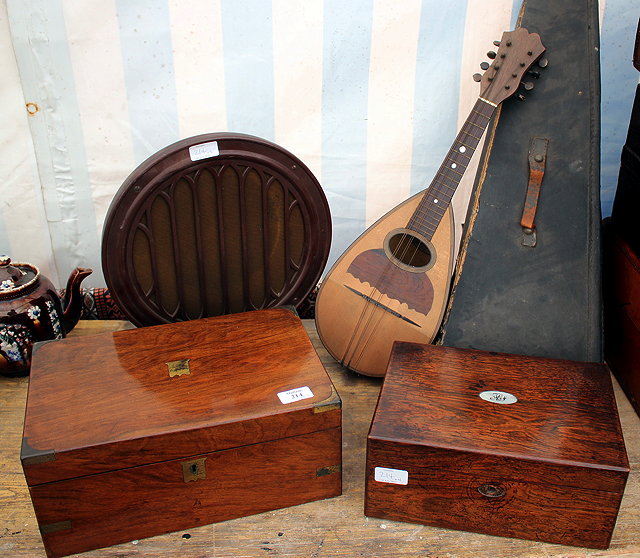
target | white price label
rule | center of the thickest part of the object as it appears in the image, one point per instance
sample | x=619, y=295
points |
x=295, y=395
x=204, y=151
x=393, y=476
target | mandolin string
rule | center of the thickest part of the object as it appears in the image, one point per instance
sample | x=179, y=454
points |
x=368, y=330
x=438, y=186
x=478, y=110
x=406, y=245
x=377, y=299
x=483, y=109
x=367, y=306
x=372, y=307
x=364, y=343
x=462, y=139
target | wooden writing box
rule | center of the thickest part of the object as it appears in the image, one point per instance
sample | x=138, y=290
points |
x=141, y=432
x=450, y=447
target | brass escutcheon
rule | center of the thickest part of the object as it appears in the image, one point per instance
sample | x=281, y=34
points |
x=194, y=469
x=178, y=367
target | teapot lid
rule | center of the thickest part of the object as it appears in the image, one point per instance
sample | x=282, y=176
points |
x=15, y=278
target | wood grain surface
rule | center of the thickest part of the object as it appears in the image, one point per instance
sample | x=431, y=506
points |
x=108, y=401
x=335, y=527
x=565, y=414
x=553, y=461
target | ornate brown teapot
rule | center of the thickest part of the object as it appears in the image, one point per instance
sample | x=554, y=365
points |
x=31, y=310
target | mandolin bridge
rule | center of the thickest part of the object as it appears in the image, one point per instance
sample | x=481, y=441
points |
x=382, y=306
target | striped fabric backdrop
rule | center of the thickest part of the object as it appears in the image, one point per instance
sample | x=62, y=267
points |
x=369, y=93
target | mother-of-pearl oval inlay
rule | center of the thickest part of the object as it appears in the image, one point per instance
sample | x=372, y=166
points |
x=501, y=397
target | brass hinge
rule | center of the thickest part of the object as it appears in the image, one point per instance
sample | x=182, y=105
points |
x=328, y=470
x=31, y=456
x=329, y=404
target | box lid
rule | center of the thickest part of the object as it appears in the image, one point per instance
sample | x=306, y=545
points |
x=141, y=396
x=505, y=409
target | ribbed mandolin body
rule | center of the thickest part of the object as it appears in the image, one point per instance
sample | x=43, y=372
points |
x=390, y=285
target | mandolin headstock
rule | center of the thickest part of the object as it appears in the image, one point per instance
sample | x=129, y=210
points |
x=519, y=50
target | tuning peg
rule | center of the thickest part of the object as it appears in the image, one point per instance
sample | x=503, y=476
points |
x=484, y=65
x=533, y=74
x=491, y=54
x=477, y=77
x=497, y=43
x=543, y=62
x=521, y=97
x=528, y=86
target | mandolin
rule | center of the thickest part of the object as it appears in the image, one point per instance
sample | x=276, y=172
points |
x=392, y=283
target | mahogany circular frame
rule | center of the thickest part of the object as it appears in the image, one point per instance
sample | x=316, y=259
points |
x=148, y=179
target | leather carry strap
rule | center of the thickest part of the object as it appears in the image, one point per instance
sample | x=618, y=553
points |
x=537, y=164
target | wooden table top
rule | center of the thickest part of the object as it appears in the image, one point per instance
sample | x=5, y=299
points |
x=334, y=527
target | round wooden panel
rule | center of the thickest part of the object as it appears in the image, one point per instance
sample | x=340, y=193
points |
x=215, y=224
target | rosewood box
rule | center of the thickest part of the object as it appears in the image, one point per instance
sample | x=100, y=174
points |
x=495, y=443
x=621, y=282
x=141, y=432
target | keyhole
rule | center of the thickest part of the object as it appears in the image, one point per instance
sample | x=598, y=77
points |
x=492, y=491
x=194, y=469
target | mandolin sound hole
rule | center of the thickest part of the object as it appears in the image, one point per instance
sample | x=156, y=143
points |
x=409, y=251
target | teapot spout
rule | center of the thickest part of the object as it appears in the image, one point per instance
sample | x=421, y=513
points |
x=72, y=302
